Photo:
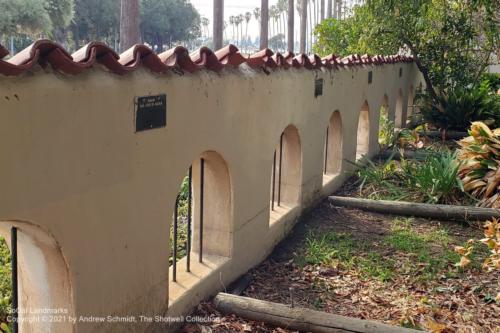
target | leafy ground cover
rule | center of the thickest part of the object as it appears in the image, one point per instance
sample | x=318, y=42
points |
x=397, y=270
x=401, y=271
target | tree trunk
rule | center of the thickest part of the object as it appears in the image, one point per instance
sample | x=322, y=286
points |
x=425, y=73
x=300, y=319
x=303, y=26
x=264, y=24
x=322, y=16
x=444, y=212
x=329, y=9
x=291, y=28
x=218, y=24
x=309, y=33
x=129, y=24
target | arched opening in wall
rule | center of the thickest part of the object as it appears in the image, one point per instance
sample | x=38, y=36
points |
x=386, y=125
x=333, y=148
x=363, y=132
x=411, y=107
x=414, y=115
x=34, y=276
x=399, y=121
x=286, y=173
x=201, y=223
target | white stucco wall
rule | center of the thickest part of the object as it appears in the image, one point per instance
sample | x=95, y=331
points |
x=72, y=165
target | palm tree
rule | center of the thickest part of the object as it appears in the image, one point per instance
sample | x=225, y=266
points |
x=205, y=22
x=129, y=24
x=272, y=18
x=264, y=24
x=241, y=18
x=225, y=30
x=256, y=13
x=237, y=23
x=248, y=17
x=232, y=22
x=283, y=8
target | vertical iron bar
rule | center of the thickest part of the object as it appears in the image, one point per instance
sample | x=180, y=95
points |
x=190, y=198
x=279, y=175
x=174, y=261
x=202, y=185
x=13, y=261
x=326, y=148
x=274, y=180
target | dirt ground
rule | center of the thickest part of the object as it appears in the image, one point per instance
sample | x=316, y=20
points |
x=373, y=266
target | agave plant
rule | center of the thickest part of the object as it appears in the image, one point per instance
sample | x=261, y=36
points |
x=480, y=164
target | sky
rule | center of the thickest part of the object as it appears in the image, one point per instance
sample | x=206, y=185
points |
x=232, y=8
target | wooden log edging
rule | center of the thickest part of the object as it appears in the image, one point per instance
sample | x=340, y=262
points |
x=299, y=319
x=444, y=212
x=408, y=154
x=449, y=135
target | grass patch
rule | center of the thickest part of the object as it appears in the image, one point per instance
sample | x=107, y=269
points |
x=425, y=255
x=341, y=249
x=429, y=249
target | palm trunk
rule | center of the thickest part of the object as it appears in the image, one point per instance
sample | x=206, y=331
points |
x=264, y=24
x=291, y=29
x=218, y=24
x=303, y=26
x=129, y=24
x=246, y=37
x=309, y=33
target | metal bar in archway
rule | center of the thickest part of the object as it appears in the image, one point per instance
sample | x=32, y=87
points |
x=174, y=255
x=189, y=219
x=326, y=150
x=273, y=189
x=15, y=300
x=202, y=186
x=279, y=170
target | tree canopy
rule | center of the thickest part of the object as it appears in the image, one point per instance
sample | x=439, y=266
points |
x=450, y=40
x=351, y=35
x=24, y=16
x=76, y=22
x=164, y=21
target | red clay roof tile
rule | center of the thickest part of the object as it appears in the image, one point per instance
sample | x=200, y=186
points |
x=44, y=52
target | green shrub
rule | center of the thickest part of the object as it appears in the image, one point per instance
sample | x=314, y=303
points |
x=386, y=135
x=5, y=281
x=431, y=180
x=462, y=106
x=493, y=79
x=435, y=179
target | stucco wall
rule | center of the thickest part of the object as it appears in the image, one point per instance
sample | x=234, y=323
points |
x=73, y=166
